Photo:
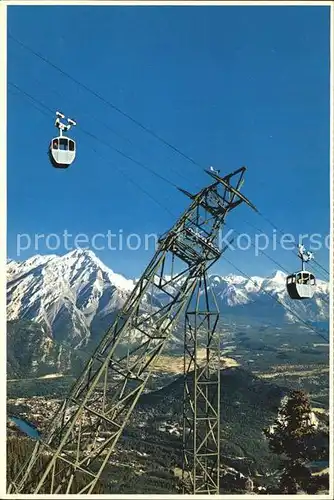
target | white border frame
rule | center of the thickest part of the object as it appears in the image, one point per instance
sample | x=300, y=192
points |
x=3, y=217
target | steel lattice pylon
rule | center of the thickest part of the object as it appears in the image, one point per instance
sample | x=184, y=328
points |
x=83, y=434
x=201, y=406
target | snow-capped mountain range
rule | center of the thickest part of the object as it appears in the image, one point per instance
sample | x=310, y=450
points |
x=66, y=294
x=75, y=295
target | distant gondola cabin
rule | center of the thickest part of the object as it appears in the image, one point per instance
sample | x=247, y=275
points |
x=301, y=285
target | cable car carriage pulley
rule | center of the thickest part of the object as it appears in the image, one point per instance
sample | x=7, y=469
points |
x=62, y=149
x=301, y=285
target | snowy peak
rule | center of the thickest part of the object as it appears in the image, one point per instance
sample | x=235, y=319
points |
x=66, y=294
x=83, y=259
x=279, y=277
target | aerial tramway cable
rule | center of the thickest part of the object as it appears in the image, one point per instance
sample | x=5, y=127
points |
x=36, y=101
x=33, y=101
x=134, y=120
x=105, y=101
x=111, y=129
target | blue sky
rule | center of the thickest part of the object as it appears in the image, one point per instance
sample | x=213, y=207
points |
x=229, y=86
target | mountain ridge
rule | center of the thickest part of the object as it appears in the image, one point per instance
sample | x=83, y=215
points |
x=79, y=290
x=75, y=297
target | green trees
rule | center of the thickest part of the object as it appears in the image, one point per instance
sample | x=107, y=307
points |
x=297, y=437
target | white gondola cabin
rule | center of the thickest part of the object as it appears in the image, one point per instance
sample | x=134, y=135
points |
x=301, y=285
x=62, y=149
